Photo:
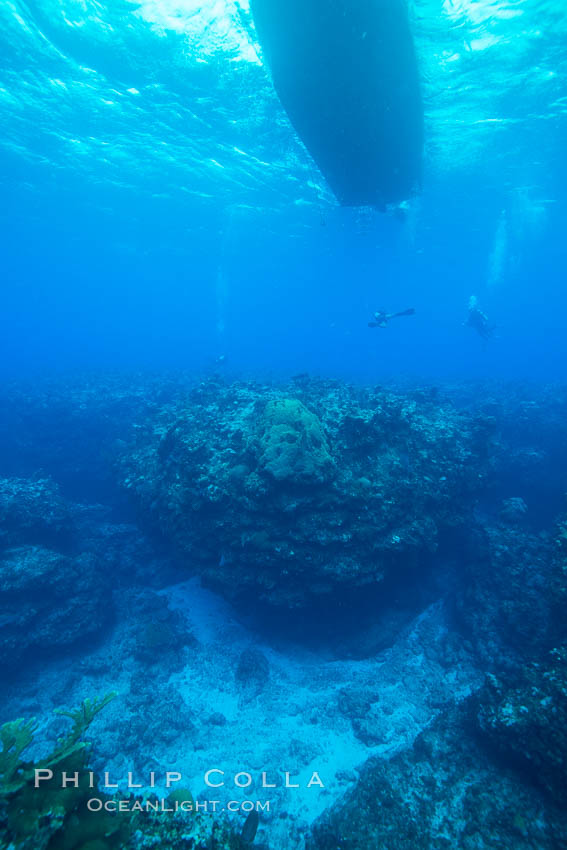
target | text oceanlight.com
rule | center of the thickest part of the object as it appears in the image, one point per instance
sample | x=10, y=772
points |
x=163, y=804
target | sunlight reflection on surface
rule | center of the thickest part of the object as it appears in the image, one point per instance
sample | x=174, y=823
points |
x=217, y=26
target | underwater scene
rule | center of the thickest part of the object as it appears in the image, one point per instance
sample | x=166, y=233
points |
x=283, y=424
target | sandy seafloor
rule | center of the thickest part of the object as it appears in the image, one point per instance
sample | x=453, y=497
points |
x=293, y=722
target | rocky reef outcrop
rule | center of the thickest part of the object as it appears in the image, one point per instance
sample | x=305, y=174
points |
x=443, y=792
x=507, y=600
x=522, y=710
x=524, y=718
x=53, y=591
x=33, y=510
x=48, y=603
x=301, y=494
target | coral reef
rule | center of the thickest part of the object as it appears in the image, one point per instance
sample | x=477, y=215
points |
x=506, y=602
x=523, y=712
x=443, y=792
x=49, y=603
x=525, y=718
x=528, y=450
x=286, y=499
x=70, y=428
x=32, y=510
x=413, y=530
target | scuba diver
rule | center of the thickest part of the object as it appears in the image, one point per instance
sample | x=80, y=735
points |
x=477, y=320
x=381, y=318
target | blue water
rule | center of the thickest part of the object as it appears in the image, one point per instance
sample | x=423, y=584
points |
x=159, y=210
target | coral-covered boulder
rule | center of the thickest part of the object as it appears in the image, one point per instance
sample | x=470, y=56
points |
x=298, y=495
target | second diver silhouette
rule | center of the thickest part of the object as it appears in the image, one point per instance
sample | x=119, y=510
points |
x=478, y=321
